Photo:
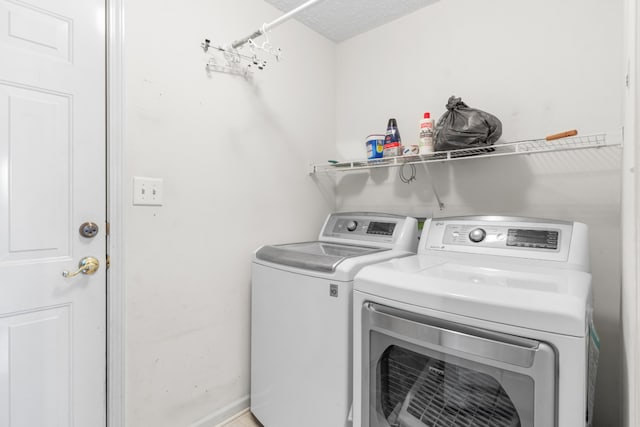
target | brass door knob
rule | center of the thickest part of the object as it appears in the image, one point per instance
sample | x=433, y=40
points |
x=87, y=265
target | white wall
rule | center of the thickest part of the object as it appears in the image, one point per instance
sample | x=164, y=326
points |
x=630, y=224
x=236, y=153
x=541, y=67
x=233, y=156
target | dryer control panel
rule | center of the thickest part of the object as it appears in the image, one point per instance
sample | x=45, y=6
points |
x=501, y=236
x=531, y=238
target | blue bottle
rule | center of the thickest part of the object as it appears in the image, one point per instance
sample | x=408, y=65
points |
x=392, y=140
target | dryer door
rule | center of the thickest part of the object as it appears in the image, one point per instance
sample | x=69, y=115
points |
x=420, y=371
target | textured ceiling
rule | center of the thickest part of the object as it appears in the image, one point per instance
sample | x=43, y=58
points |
x=339, y=20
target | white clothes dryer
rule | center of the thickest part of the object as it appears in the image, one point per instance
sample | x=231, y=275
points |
x=489, y=324
x=301, y=327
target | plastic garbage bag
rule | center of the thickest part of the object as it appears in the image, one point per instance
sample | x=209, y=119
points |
x=464, y=127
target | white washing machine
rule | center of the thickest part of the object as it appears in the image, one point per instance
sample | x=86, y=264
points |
x=301, y=327
x=490, y=324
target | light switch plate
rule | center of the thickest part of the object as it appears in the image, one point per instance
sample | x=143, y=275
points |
x=147, y=191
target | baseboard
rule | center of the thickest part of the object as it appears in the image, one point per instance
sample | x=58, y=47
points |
x=225, y=415
x=234, y=417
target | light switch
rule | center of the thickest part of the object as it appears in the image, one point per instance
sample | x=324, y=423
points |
x=147, y=191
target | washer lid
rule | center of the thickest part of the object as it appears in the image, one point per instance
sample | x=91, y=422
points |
x=315, y=256
x=529, y=296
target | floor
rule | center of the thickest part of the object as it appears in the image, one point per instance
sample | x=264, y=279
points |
x=246, y=420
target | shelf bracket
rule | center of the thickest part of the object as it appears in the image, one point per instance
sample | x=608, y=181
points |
x=433, y=187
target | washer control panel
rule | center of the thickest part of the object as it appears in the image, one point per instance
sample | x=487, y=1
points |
x=364, y=226
x=373, y=229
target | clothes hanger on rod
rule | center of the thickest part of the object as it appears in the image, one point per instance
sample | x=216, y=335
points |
x=235, y=56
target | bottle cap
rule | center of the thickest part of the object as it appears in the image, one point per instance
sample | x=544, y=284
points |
x=427, y=115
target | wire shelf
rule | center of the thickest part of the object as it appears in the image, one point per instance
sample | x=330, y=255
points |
x=508, y=149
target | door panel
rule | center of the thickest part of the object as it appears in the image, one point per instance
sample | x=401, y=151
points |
x=52, y=179
x=35, y=366
x=28, y=27
x=39, y=174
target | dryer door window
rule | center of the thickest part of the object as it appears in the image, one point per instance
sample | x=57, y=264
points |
x=424, y=372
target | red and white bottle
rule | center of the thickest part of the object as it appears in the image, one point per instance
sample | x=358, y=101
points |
x=426, y=134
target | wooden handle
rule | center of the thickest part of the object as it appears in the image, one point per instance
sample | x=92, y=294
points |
x=562, y=135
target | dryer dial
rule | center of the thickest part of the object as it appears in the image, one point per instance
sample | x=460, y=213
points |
x=477, y=235
x=352, y=225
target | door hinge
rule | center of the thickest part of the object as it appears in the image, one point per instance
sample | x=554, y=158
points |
x=107, y=228
x=108, y=262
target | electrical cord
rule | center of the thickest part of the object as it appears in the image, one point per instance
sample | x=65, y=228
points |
x=411, y=178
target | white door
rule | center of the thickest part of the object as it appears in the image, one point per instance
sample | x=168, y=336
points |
x=52, y=179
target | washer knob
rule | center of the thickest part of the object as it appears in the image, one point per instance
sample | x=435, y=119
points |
x=352, y=225
x=477, y=235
